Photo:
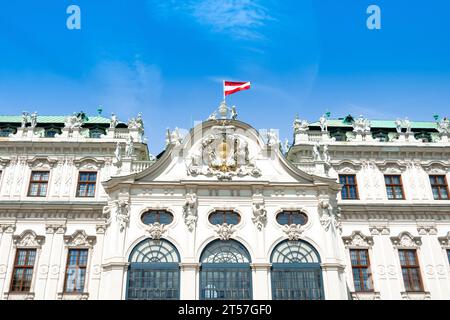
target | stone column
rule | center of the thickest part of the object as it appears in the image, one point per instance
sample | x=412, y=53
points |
x=189, y=281
x=6, y=233
x=261, y=281
x=334, y=281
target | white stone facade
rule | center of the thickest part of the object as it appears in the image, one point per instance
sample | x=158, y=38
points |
x=256, y=180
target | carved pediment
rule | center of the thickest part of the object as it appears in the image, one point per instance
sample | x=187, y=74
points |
x=358, y=239
x=406, y=240
x=28, y=238
x=347, y=166
x=392, y=167
x=223, y=154
x=89, y=163
x=42, y=162
x=79, y=239
x=436, y=167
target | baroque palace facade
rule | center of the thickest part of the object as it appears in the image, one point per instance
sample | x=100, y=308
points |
x=353, y=209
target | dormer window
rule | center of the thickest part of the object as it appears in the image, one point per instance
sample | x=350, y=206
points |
x=96, y=133
x=51, y=133
x=5, y=132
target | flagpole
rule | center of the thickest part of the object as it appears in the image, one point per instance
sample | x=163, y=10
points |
x=224, y=96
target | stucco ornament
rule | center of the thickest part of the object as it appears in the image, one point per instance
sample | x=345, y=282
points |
x=225, y=231
x=293, y=231
x=300, y=125
x=113, y=122
x=190, y=211
x=121, y=210
x=33, y=120
x=272, y=138
x=156, y=230
x=259, y=215
x=443, y=126
x=136, y=123
x=222, y=154
x=323, y=123
x=24, y=120
x=329, y=216
x=361, y=126
x=129, y=149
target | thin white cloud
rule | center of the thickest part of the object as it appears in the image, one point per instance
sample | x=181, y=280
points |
x=128, y=88
x=240, y=19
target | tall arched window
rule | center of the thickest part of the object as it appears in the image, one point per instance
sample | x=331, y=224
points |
x=296, y=272
x=225, y=272
x=154, y=272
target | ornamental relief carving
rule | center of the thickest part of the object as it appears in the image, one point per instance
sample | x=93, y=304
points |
x=190, y=211
x=79, y=239
x=120, y=209
x=259, y=214
x=28, y=238
x=358, y=239
x=329, y=216
x=223, y=154
x=225, y=231
x=406, y=240
x=294, y=232
x=156, y=230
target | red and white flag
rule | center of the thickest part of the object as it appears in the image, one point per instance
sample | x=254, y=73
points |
x=230, y=87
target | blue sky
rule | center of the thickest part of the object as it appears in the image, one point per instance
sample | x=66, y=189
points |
x=167, y=59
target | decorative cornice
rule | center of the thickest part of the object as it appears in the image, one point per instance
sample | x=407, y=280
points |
x=358, y=239
x=406, y=240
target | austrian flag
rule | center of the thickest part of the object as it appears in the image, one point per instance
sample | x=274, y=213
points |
x=230, y=87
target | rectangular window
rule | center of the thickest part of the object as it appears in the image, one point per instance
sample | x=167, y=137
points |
x=86, y=184
x=349, y=187
x=23, y=270
x=362, y=276
x=394, y=187
x=410, y=270
x=75, y=270
x=38, y=184
x=439, y=187
x=448, y=256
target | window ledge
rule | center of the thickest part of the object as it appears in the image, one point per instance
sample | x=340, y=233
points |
x=73, y=296
x=19, y=296
x=366, y=295
x=416, y=295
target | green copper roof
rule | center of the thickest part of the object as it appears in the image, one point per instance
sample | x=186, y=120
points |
x=52, y=119
x=386, y=124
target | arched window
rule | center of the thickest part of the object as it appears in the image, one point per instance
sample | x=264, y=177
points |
x=296, y=272
x=225, y=272
x=224, y=216
x=154, y=272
